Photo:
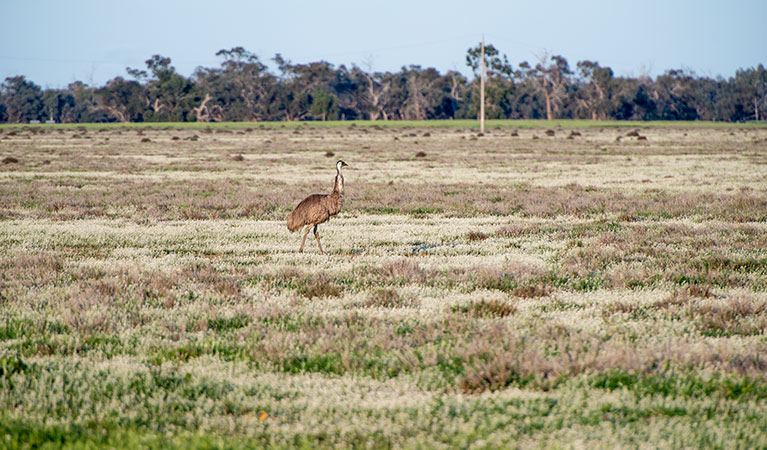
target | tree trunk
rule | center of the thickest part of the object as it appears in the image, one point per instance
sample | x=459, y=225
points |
x=601, y=93
x=547, y=96
x=756, y=110
x=114, y=110
x=198, y=110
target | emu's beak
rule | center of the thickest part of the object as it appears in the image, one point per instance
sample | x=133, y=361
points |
x=343, y=164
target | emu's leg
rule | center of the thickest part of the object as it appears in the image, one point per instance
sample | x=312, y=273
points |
x=317, y=235
x=301, y=250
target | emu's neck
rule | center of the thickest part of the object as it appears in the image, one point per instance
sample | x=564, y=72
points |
x=339, y=186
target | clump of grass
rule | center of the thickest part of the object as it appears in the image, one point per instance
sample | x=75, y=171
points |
x=386, y=298
x=734, y=316
x=490, y=376
x=507, y=278
x=320, y=286
x=682, y=297
x=145, y=140
x=238, y=158
x=405, y=269
x=626, y=216
x=531, y=291
x=516, y=230
x=223, y=324
x=625, y=308
x=493, y=308
x=420, y=155
x=329, y=154
x=11, y=364
x=700, y=291
x=502, y=282
x=476, y=236
x=31, y=270
x=10, y=160
x=204, y=273
x=421, y=212
x=674, y=300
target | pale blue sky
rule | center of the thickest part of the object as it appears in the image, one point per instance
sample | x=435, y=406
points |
x=56, y=42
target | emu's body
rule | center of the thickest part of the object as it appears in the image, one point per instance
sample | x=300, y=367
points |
x=317, y=208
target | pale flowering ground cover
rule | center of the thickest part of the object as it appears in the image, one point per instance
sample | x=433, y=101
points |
x=508, y=290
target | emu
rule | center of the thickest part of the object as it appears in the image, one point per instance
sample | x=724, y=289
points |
x=317, y=208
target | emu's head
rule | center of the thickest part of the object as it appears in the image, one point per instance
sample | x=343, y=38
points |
x=340, y=164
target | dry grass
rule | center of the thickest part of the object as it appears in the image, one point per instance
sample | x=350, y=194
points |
x=733, y=316
x=487, y=308
x=476, y=236
x=167, y=179
x=204, y=274
x=404, y=270
x=531, y=291
x=386, y=298
x=321, y=286
x=501, y=291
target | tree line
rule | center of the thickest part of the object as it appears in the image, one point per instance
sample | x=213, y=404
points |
x=243, y=88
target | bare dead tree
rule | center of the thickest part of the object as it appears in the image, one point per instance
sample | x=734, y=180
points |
x=550, y=75
x=416, y=104
x=375, y=96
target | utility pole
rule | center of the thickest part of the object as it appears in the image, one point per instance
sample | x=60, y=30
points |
x=482, y=88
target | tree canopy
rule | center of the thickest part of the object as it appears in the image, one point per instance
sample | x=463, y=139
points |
x=243, y=88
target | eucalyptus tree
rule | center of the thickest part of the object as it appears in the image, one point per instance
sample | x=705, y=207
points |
x=418, y=85
x=597, y=90
x=454, y=96
x=551, y=78
x=373, y=90
x=499, y=86
x=676, y=96
x=752, y=84
x=169, y=96
x=122, y=100
x=324, y=105
x=22, y=100
x=298, y=83
x=240, y=90
x=633, y=99
x=74, y=104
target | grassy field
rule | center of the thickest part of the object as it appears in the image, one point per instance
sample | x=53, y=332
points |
x=579, y=287
x=393, y=125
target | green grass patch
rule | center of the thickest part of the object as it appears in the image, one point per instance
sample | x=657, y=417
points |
x=223, y=324
x=692, y=385
x=226, y=350
x=390, y=124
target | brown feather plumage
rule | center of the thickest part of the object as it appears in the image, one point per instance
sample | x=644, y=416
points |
x=318, y=208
